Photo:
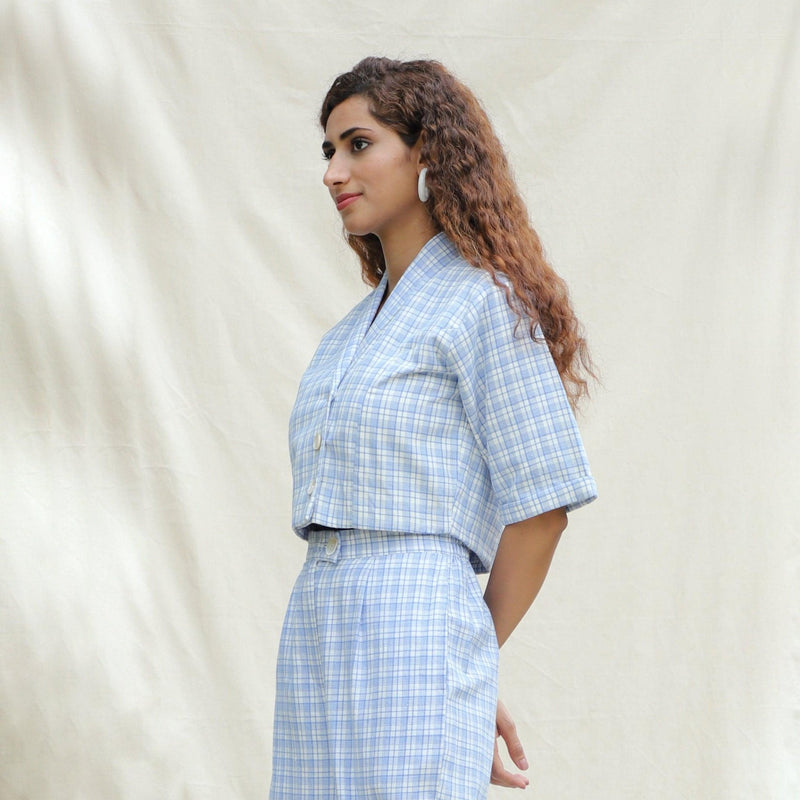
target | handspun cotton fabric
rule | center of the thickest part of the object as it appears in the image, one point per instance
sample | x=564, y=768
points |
x=387, y=674
x=418, y=433
x=443, y=416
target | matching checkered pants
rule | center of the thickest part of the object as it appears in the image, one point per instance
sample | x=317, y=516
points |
x=387, y=673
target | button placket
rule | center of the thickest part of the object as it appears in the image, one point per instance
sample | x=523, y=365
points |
x=317, y=442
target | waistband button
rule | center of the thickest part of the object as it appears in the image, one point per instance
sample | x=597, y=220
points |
x=331, y=544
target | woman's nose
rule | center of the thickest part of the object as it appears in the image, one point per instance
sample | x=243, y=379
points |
x=335, y=173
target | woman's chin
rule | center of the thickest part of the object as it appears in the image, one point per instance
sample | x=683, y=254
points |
x=355, y=230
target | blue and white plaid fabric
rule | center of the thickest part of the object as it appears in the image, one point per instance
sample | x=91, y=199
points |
x=387, y=673
x=441, y=417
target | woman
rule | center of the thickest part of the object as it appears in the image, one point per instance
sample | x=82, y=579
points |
x=432, y=438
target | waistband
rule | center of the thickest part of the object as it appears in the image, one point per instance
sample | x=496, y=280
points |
x=328, y=544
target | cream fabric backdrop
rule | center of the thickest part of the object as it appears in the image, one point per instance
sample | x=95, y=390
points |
x=169, y=261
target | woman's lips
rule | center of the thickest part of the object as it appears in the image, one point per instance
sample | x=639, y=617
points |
x=344, y=200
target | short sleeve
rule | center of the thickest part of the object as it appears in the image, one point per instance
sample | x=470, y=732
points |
x=519, y=413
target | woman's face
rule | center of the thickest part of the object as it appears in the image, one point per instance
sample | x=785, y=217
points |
x=372, y=173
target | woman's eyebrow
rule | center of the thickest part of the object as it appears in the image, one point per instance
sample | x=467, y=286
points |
x=345, y=134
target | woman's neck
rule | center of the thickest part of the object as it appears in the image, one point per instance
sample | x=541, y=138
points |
x=401, y=246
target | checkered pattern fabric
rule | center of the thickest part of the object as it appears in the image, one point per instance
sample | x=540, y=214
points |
x=387, y=673
x=443, y=416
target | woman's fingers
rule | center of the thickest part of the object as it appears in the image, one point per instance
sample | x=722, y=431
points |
x=507, y=730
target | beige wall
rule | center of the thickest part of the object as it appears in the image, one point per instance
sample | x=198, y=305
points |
x=168, y=261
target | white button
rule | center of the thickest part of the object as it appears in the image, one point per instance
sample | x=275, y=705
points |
x=317, y=441
x=331, y=545
x=311, y=486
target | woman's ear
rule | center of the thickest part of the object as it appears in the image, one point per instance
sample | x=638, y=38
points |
x=416, y=151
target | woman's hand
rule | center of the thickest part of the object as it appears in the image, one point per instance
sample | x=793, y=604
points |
x=508, y=731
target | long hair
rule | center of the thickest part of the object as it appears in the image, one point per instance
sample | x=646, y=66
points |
x=473, y=197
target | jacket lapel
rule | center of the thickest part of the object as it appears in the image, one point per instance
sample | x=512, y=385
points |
x=360, y=328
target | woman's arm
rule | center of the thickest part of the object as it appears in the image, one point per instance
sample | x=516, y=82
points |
x=520, y=566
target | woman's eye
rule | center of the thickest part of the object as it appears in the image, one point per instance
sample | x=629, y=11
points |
x=327, y=154
x=360, y=144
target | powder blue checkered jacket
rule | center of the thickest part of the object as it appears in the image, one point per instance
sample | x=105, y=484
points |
x=443, y=416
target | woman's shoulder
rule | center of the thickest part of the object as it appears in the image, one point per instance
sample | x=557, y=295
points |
x=459, y=278
x=470, y=293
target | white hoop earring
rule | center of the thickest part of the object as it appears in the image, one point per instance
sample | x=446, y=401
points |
x=422, y=188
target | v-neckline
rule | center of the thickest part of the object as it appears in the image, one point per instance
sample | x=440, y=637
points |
x=374, y=312
x=384, y=305
x=379, y=309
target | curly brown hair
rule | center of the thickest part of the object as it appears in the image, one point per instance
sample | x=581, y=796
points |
x=473, y=197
